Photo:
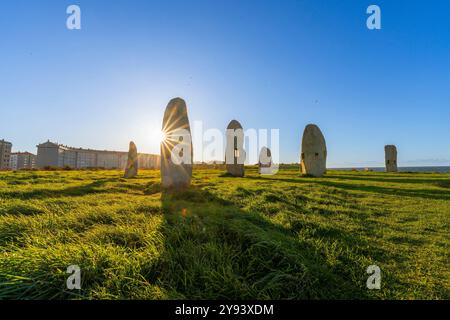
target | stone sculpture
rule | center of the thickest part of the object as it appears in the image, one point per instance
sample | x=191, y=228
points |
x=390, y=152
x=235, y=154
x=131, y=170
x=265, y=161
x=314, y=152
x=176, y=149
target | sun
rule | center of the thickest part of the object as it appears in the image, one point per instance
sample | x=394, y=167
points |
x=162, y=136
x=153, y=136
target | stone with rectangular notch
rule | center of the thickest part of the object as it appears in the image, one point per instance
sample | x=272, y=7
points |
x=390, y=154
x=235, y=154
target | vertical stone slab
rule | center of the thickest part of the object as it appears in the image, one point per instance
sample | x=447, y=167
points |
x=390, y=155
x=314, y=152
x=131, y=170
x=176, y=149
x=265, y=161
x=235, y=154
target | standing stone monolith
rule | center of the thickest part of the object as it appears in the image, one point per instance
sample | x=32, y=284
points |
x=314, y=152
x=390, y=155
x=265, y=161
x=234, y=153
x=176, y=149
x=131, y=170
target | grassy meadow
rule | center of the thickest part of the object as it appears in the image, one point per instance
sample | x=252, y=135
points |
x=274, y=237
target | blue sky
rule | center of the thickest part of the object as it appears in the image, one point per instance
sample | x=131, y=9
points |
x=268, y=64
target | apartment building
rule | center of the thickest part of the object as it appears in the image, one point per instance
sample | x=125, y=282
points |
x=5, y=154
x=52, y=154
x=22, y=160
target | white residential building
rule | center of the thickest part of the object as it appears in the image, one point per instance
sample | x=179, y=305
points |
x=5, y=154
x=22, y=160
x=57, y=155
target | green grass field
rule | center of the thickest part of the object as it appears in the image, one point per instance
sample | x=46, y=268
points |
x=276, y=237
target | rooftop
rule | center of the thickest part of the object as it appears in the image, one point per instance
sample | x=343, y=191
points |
x=22, y=153
x=5, y=142
x=48, y=143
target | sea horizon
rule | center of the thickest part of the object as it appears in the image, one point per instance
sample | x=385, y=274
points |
x=439, y=169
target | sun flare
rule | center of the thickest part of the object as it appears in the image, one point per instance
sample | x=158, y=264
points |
x=162, y=136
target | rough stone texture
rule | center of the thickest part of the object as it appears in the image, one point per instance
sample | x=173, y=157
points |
x=265, y=161
x=314, y=152
x=234, y=153
x=176, y=175
x=131, y=170
x=390, y=153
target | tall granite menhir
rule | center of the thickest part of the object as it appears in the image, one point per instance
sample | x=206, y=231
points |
x=234, y=153
x=176, y=149
x=131, y=170
x=314, y=152
x=390, y=153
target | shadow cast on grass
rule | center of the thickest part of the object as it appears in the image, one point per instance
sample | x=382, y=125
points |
x=72, y=191
x=415, y=193
x=418, y=193
x=214, y=250
x=392, y=179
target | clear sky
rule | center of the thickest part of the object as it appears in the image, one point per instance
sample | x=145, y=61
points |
x=268, y=64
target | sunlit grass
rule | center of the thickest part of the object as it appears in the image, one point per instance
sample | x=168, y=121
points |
x=282, y=236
